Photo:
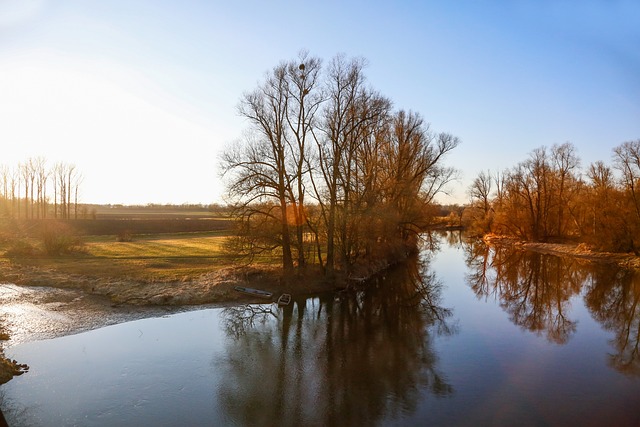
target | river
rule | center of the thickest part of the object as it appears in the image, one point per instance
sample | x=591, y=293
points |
x=465, y=335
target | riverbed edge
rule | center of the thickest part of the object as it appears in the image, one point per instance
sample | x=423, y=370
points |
x=575, y=250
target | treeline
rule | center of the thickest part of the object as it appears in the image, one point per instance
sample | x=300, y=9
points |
x=186, y=210
x=328, y=171
x=548, y=197
x=34, y=190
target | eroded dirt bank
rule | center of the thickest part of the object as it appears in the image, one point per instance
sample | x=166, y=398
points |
x=213, y=287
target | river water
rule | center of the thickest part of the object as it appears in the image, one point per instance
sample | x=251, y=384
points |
x=464, y=335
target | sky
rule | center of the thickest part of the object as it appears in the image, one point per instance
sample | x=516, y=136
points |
x=141, y=95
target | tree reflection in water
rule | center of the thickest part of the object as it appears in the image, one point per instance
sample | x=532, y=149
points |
x=613, y=297
x=535, y=289
x=348, y=360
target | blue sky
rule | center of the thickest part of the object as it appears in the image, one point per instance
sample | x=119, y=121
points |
x=141, y=95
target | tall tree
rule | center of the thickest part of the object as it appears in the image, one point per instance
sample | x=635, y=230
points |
x=41, y=178
x=416, y=159
x=606, y=223
x=627, y=161
x=345, y=80
x=480, y=194
x=350, y=111
x=564, y=162
x=260, y=164
x=303, y=101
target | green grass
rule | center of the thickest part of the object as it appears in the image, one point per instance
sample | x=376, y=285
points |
x=181, y=245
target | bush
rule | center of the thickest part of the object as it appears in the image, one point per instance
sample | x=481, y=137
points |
x=59, y=238
x=20, y=248
x=124, y=236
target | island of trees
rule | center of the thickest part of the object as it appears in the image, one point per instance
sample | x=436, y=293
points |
x=329, y=172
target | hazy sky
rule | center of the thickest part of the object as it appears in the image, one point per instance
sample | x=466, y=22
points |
x=141, y=95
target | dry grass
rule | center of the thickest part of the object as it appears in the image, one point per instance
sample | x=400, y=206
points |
x=149, y=258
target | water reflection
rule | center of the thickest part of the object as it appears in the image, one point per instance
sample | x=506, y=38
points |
x=613, y=298
x=533, y=288
x=351, y=360
x=536, y=289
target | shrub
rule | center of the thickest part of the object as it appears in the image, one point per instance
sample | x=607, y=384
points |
x=20, y=248
x=59, y=238
x=124, y=236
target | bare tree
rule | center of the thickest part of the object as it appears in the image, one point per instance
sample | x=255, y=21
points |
x=66, y=177
x=259, y=166
x=480, y=193
x=328, y=137
x=41, y=177
x=5, y=174
x=416, y=159
x=78, y=178
x=605, y=225
x=480, y=190
x=343, y=120
x=27, y=176
x=565, y=161
x=627, y=161
x=14, y=184
x=526, y=198
x=304, y=100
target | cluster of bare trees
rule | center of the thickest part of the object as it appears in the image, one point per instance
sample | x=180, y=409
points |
x=548, y=197
x=33, y=190
x=328, y=172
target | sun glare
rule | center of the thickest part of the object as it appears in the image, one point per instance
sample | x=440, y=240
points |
x=121, y=139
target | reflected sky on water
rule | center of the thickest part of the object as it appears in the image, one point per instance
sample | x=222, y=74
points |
x=465, y=335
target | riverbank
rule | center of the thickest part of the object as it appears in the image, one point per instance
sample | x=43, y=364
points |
x=41, y=303
x=580, y=251
x=215, y=286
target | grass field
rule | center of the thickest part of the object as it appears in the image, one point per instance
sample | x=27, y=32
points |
x=167, y=243
x=158, y=257
x=154, y=257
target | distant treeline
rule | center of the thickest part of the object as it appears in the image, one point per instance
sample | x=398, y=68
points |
x=151, y=210
x=33, y=189
x=548, y=197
